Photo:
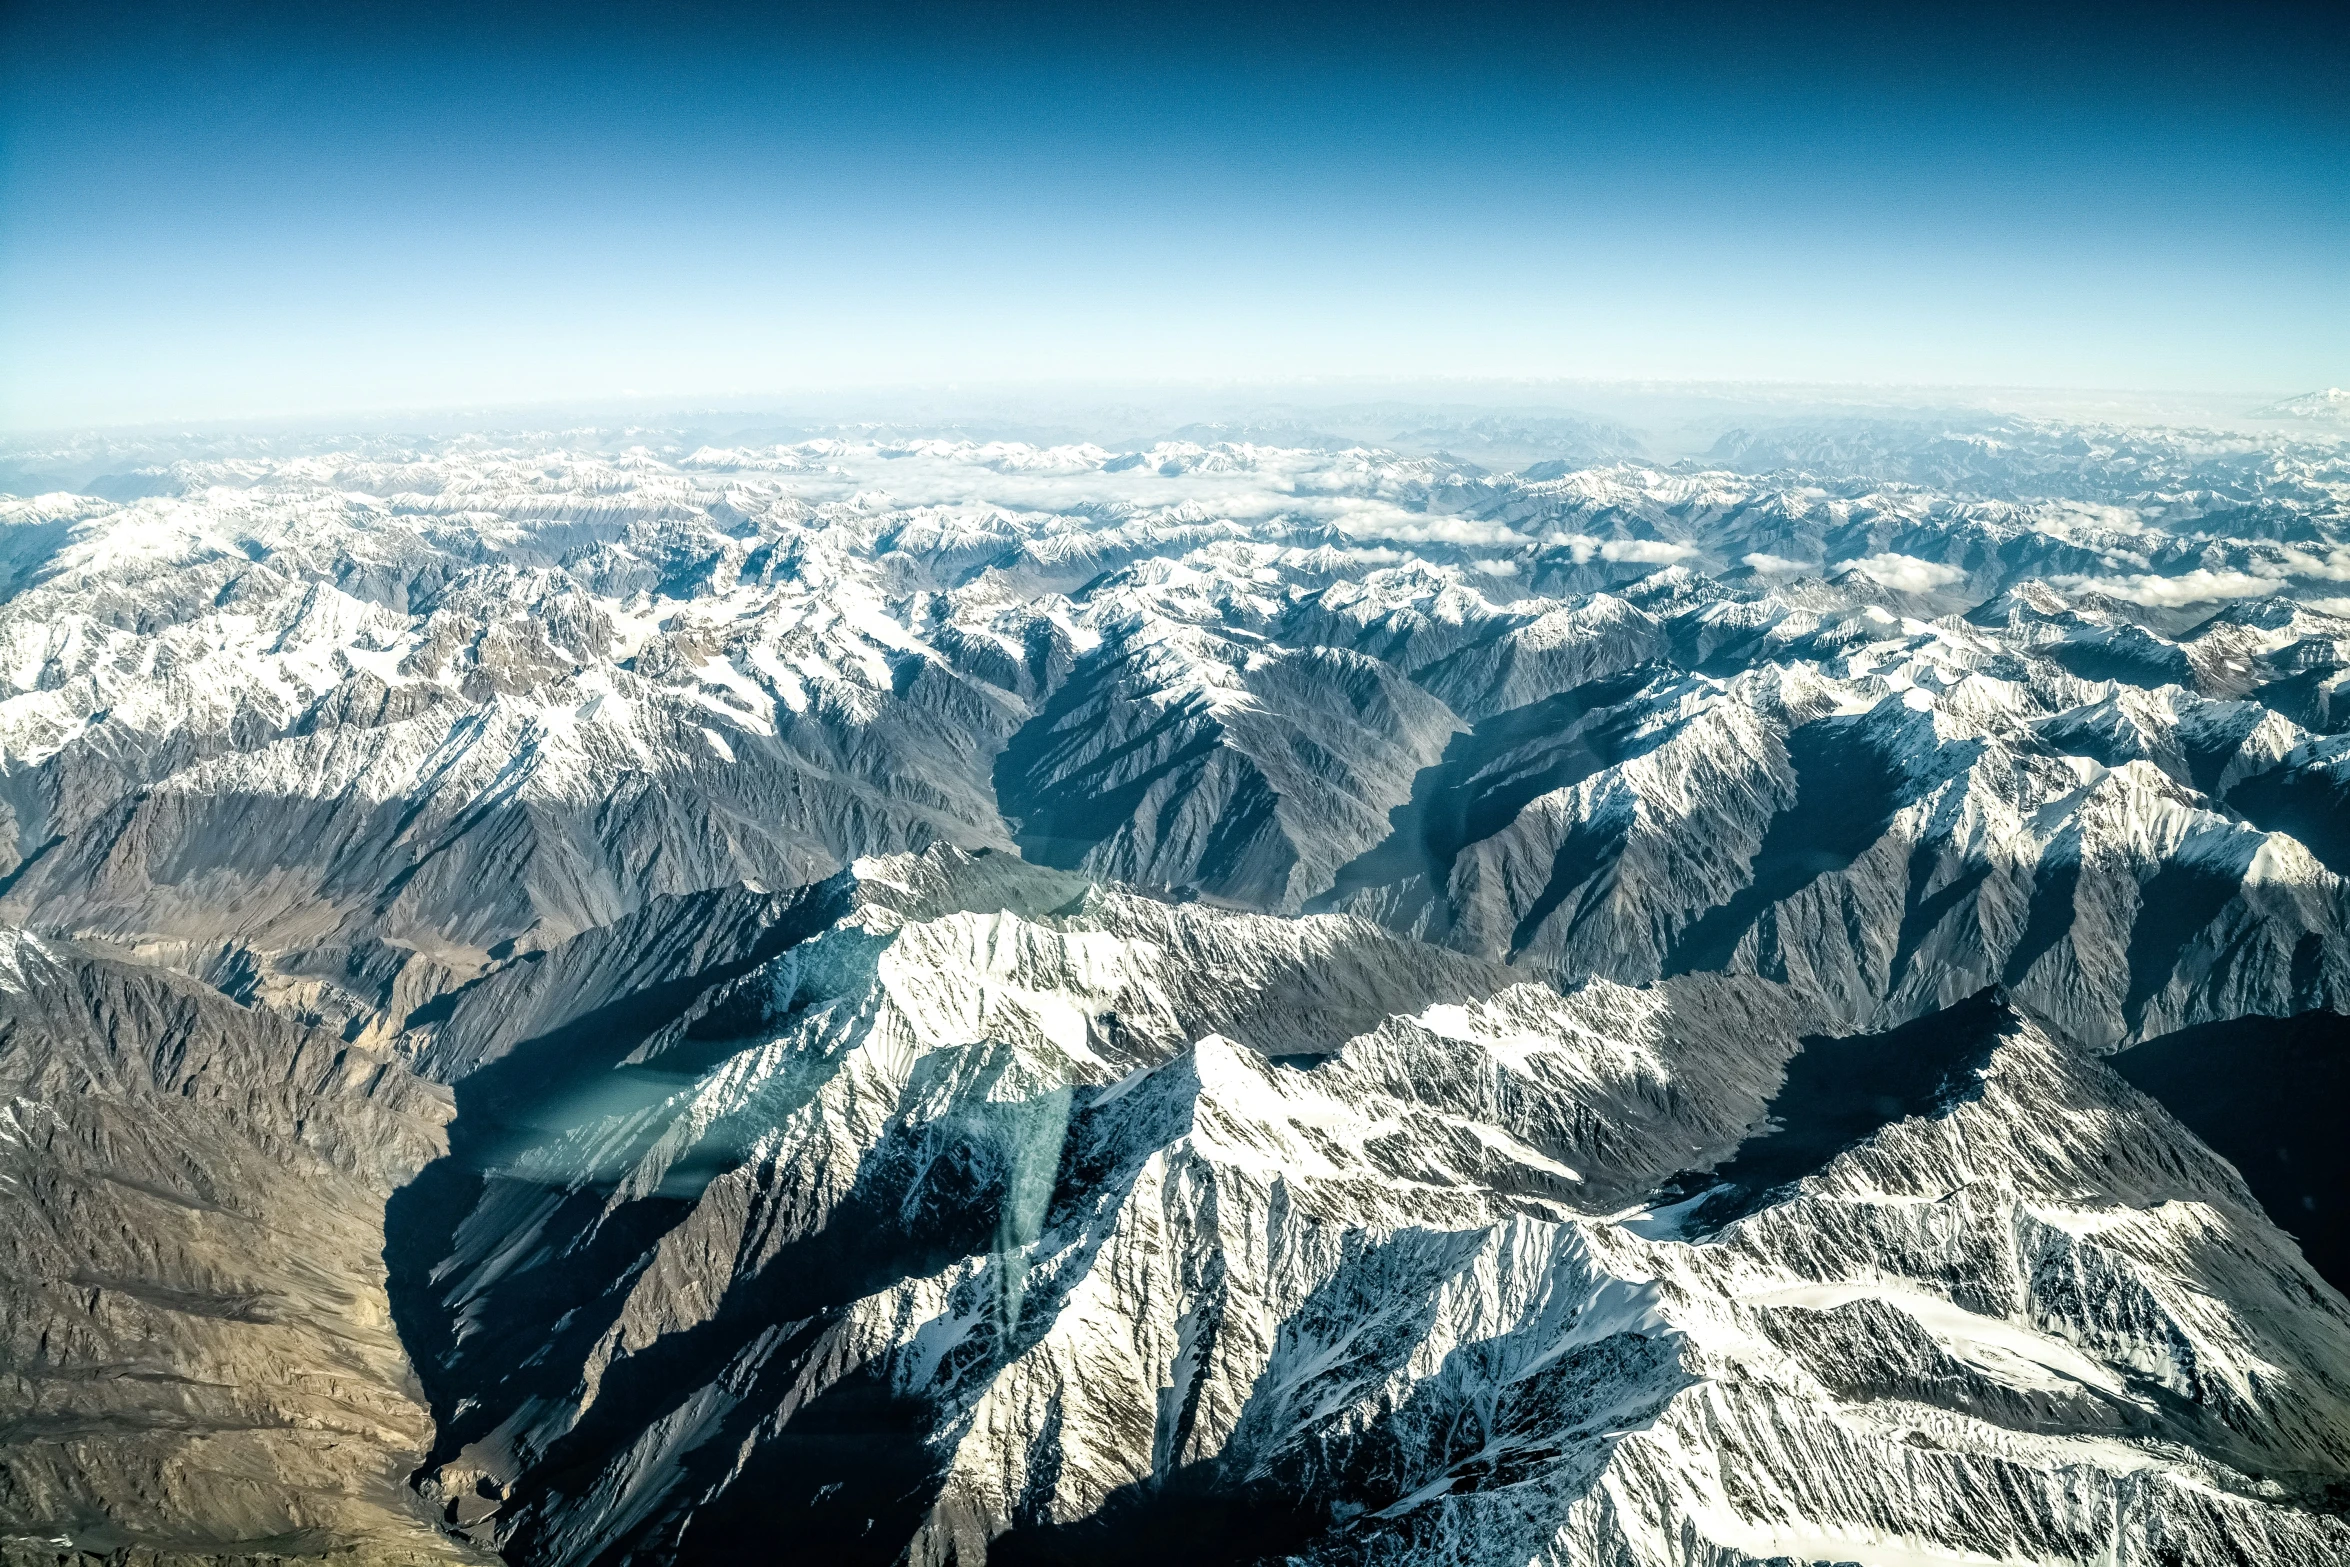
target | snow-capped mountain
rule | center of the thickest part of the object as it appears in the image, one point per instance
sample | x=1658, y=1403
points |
x=2333, y=404
x=1246, y=997
x=1013, y=1218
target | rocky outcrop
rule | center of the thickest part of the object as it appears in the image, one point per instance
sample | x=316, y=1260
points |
x=1010, y=1219
x=342, y=731
x=1246, y=999
x=197, y=1359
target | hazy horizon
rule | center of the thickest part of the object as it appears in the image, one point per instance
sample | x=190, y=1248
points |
x=264, y=209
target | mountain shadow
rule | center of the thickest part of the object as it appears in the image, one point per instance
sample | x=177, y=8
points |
x=1490, y=773
x=1839, y=1092
x=2267, y=1093
x=1845, y=795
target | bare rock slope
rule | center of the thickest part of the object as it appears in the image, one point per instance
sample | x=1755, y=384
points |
x=197, y=1356
x=675, y=997
x=1009, y=1219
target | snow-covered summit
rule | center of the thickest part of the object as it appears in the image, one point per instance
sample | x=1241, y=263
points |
x=1452, y=1014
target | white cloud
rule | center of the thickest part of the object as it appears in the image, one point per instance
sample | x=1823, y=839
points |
x=1907, y=573
x=2333, y=566
x=2200, y=586
x=1376, y=519
x=1497, y=568
x=2204, y=585
x=1773, y=565
x=1364, y=554
x=1650, y=552
x=1259, y=483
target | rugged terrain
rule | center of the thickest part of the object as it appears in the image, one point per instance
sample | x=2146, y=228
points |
x=195, y=1343
x=1251, y=996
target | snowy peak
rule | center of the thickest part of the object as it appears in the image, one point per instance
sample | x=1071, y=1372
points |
x=1441, y=992
x=1063, y=1185
x=2331, y=404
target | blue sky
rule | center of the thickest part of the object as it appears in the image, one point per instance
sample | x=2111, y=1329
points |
x=255, y=209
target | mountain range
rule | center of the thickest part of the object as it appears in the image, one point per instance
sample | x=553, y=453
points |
x=1257, y=996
